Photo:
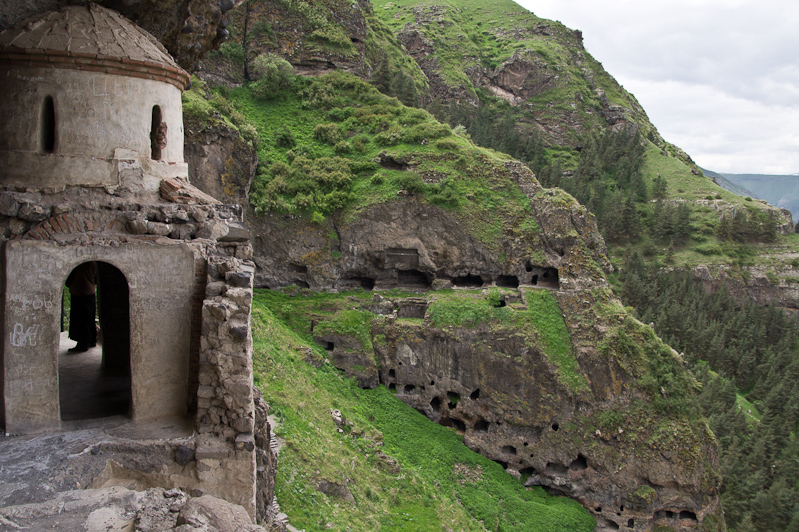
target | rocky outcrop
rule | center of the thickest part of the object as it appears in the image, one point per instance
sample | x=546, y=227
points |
x=119, y=508
x=187, y=28
x=589, y=428
x=221, y=162
x=762, y=285
x=314, y=39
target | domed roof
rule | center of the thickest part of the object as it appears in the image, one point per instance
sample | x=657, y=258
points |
x=93, y=33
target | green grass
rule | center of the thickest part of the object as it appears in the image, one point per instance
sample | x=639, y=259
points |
x=750, y=411
x=357, y=125
x=403, y=471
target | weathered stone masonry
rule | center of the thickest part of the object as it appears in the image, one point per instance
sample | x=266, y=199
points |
x=84, y=95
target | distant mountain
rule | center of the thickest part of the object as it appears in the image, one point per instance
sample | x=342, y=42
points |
x=779, y=190
x=726, y=184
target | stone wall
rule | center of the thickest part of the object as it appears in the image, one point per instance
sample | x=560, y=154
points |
x=189, y=273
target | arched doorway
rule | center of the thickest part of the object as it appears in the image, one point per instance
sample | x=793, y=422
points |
x=94, y=381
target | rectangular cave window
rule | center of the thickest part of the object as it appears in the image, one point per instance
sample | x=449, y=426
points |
x=412, y=279
x=47, y=126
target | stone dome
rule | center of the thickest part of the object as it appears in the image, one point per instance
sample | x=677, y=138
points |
x=90, y=38
x=89, y=99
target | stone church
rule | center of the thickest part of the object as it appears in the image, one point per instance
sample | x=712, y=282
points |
x=91, y=146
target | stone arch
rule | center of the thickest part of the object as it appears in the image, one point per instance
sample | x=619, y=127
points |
x=160, y=282
x=97, y=383
x=47, y=126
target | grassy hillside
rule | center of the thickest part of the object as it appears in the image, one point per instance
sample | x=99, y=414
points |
x=386, y=467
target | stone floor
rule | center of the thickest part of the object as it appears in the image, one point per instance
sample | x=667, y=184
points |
x=86, y=390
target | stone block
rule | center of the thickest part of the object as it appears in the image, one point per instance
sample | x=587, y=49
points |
x=212, y=230
x=239, y=279
x=206, y=392
x=8, y=205
x=236, y=233
x=245, y=441
x=243, y=424
x=184, y=455
x=33, y=212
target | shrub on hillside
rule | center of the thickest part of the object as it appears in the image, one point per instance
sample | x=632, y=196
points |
x=273, y=74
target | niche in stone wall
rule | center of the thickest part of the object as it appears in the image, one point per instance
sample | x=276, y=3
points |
x=47, y=126
x=545, y=277
x=400, y=258
x=154, y=133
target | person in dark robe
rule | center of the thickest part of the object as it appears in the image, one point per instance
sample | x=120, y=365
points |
x=81, y=283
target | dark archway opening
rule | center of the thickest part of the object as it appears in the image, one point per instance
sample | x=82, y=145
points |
x=508, y=281
x=468, y=281
x=47, y=126
x=96, y=383
x=155, y=145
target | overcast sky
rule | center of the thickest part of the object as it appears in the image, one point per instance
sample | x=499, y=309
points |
x=718, y=78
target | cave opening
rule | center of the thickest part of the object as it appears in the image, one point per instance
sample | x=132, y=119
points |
x=580, y=464
x=508, y=281
x=468, y=281
x=453, y=399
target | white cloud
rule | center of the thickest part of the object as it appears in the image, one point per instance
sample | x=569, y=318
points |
x=719, y=78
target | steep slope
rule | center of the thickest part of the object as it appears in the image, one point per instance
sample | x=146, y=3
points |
x=356, y=190
x=471, y=51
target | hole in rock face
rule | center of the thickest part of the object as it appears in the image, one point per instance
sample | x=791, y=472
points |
x=481, y=425
x=580, y=464
x=300, y=283
x=535, y=280
x=435, y=404
x=412, y=279
x=392, y=386
x=508, y=281
x=527, y=472
x=685, y=514
x=528, y=266
x=328, y=346
x=468, y=281
x=456, y=423
x=630, y=523
x=475, y=395
x=503, y=464
x=611, y=525
x=555, y=427
x=409, y=388
x=554, y=468
x=432, y=383
x=353, y=283
x=392, y=374
x=453, y=400
x=509, y=449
